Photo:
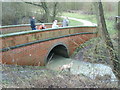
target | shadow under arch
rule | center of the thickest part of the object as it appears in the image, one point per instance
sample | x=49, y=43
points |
x=59, y=49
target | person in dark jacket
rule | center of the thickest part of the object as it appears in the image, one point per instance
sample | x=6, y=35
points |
x=32, y=23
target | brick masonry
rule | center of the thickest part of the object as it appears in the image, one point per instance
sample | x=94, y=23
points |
x=36, y=54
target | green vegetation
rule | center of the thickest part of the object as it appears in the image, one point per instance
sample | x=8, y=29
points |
x=110, y=22
x=74, y=23
x=91, y=18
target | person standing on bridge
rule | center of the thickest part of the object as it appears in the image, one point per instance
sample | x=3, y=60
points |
x=54, y=25
x=32, y=23
x=65, y=22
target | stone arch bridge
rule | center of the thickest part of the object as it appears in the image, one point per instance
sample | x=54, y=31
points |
x=35, y=47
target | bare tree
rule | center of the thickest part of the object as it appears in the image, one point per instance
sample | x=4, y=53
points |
x=54, y=10
x=118, y=24
x=106, y=37
x=0, y=14
x=48, y=14
x=119, y=16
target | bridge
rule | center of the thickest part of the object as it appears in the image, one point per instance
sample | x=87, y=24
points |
x=35, y=47
x=19, y=28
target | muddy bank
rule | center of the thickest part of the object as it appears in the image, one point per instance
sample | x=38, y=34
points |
x=50, y=77
x=44, y=77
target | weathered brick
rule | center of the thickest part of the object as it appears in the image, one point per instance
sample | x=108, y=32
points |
x=36, y=54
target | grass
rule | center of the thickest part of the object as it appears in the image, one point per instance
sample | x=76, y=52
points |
x=71, y=22
x=21, y=68
x=92, y=18
x=74, y=23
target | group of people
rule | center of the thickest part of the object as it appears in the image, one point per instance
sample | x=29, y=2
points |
x=65, y=23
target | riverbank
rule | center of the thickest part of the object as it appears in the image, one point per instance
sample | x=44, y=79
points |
x=36, y=77
x=82, y=75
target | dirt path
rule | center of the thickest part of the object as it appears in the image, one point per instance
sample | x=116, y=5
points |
x=85, y=22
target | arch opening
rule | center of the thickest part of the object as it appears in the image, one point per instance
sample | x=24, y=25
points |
x=59, y=50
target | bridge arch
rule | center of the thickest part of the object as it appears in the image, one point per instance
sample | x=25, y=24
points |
x=58, y=49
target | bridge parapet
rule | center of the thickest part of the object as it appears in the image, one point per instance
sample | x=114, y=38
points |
x=22, y=27
x=18, y=38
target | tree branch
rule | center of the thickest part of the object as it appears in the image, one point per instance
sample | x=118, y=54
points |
x=33, y=4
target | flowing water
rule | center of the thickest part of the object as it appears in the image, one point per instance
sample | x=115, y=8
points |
x=81, y=67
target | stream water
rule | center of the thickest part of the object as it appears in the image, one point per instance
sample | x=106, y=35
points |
x=81, y=67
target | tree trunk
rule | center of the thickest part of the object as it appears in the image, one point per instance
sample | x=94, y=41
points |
x=99, y=34
x=44, y=5
x=105, y=34
x=119, y=38
x=119, y=10
x=45, y=8
x=47, y=13
x=54, y=10
x=98, y=19
x=1, y=14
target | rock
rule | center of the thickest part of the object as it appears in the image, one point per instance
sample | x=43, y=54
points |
x=105, y=77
